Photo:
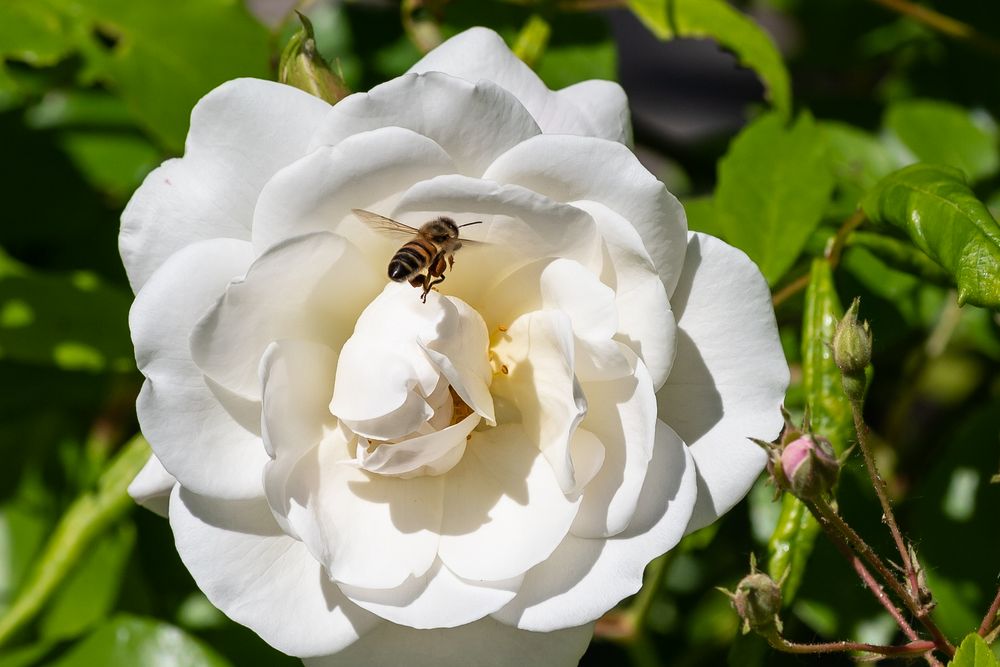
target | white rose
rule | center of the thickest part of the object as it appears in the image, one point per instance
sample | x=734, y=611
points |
x=357, y=475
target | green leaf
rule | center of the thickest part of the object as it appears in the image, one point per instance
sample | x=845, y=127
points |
x=95, y=130
x=943, y=218
x=830, y=415
x=829, y=410
x=946, y=134
x=901, y=255
x=76, y=322
x=33, y=32
x=90, y=592
x=163, y=57
x=974, y=652
x=790, y=545
x=858, y=160
x=565, y=63
x=774, y=184
x=701, y=216
x=718, y=20
x=532, y=40
x=127, y=641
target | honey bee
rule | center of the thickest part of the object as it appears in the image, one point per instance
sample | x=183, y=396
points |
x=422, y=260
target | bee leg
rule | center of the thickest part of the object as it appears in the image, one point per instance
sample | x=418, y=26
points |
x=418, y=280
x=451, y=262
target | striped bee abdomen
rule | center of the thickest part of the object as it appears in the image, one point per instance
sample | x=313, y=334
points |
x=411, y=259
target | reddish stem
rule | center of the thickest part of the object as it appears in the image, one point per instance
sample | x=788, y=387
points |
x=991, y=617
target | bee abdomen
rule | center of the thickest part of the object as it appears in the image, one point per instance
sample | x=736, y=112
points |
x=408, y=261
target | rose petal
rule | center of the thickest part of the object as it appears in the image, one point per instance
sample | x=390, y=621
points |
x=369, y=531
x=590, y=108
x=486, y=643
x=604, y=105
x=518, y=228
x=318, y=191
x=311, y=287
x=437, y=599
x=261, y=578
x=645, y=321
x=152, y=486
x=396, y=356
x=230, y=458
x=728, y=380
x=296, y=379
x=210, y=192
x=571, y=169
x=449, y=110
x=432, y=454
x=584, y=578
x=537, y=355
x=623, y=417
x=503, y=509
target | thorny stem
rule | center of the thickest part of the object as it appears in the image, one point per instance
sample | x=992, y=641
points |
x=943, y=24
x=991, y=616
x=883, y=498
x=840, y=542
x=913, y=648
x=824, y=512
x=833, y=253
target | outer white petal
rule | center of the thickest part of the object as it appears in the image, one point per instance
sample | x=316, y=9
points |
x=570, y=169
x=241, y=134
x=730, y=375
x=190, y=431
x=310, y=287
x=486, y=643
x=437, y=599
x=503, y=509
x=369, y=531
x=590, y=108
x=586, y=577
x=605, y=105
x=261, y=578
x=472, y=122
x=318, y=192
x=152, y=486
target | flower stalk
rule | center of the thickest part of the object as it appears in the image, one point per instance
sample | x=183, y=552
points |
x=85, y=520
x=990, y=619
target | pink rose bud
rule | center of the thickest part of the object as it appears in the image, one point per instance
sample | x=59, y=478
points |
x=810, y=466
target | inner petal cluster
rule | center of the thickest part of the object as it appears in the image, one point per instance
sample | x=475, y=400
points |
x=412, y=382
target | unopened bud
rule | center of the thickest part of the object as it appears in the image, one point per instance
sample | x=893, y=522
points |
x=852, y=351
x=302, y=66
x=757, y=600
x=809, y=466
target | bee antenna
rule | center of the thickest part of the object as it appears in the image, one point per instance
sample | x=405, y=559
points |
x=477, y=222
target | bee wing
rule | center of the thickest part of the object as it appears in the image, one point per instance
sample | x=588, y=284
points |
x=381, y=223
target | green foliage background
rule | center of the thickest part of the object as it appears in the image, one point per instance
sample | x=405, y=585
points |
x=95, y=93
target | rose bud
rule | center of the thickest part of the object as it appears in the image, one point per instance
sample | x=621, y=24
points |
x=303, y=67
x=852, y=351
x=809, y=466
x=757, y=600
